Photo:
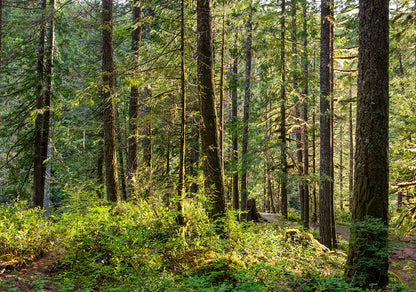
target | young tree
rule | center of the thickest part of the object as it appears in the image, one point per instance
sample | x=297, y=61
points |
x=367, y=261
x=110, y=158
x=234, y=157
x=133, y=136
x=213, y=170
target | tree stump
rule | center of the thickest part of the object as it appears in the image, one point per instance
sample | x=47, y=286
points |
x=253, y=214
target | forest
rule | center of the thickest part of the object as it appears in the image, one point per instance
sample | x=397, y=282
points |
x=208, y=145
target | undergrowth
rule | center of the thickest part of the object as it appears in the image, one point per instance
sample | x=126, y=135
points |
x=139, y=247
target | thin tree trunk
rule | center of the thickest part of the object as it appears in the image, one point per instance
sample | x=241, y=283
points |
x=110, y=158
x=283, y=146
x=38, y=171
x=234, y=106
x=368, y=256
x=133, y=136
x=314, y=217
x=181, y=185
x=194, y=145
x=341, y=205
x=213, y=170
x=221, y=117
x=305, y=141
x=120, y=157
x=325, y=214
x=351, y=174
x=50, y=42
x=246, y=117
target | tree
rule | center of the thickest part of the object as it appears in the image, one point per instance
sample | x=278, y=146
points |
x=246, y=117
x=107, y=92
x=325, y=197
x=133, y=136
x=212, y=166
x=367, y=261
x=283, y=146
x=234, y=157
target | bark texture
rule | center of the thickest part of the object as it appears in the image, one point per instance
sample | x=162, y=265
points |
x=367, y=261
x=110, y=158
x=246, y=117
x=133, y=137
x=234, y=157
x=325, y=197
x=213, y=171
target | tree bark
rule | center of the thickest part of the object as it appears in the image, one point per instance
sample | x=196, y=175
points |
x=181, y=185
x=367, y=261
x=341, y=205
x=110, y=158
x=234, y=158
x=325, y=210
x=305, y=141
x=283, y=146
x=133, y=137
x=213, y=170
x=38, y=183
x=351, y=173
x=246, y=117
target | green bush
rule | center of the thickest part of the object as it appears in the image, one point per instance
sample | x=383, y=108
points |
x=25, y=234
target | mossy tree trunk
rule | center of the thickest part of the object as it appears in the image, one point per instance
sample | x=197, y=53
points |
x=367, y=261
x=212, y=166
x=110, y=158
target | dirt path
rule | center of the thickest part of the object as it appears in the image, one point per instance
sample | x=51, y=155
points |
x=35, y=277
x=402, y=260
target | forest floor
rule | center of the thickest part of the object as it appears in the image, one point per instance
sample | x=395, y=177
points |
x=40, y=275
x=402, y=260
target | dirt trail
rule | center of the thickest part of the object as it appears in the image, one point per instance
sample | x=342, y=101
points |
x=37, y=276
x=402, y=260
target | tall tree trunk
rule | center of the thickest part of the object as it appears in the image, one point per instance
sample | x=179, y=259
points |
x=341, y=133
x=314, y=216
x=181, y=185
x=133, y=137
x=325, y=210
x=234, y=106
x=246, y=117
x=221, y=118
x=351, y=173
x=147, y=139
x=213, y=170
x=305, y=142
x=110, y=158
x=50, y=42
x=283, y=146
x=38, y=171
x=299, y=147
x=367, y=261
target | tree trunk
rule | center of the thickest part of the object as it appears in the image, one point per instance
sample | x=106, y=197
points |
x=120, y=157
x=325, y=210
x=181, y=185
x=341, y=205
x=367, y=261
x=283, y=146
x=221, y=118
x=38, y=171
x=246, y=117
x=213, y=170
x=314, y=217
x=399, y=201
x=110, y=158
x=194, y=145
x=133, y=137
x=351, y=173
x=234, y=106
x=305, y=208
